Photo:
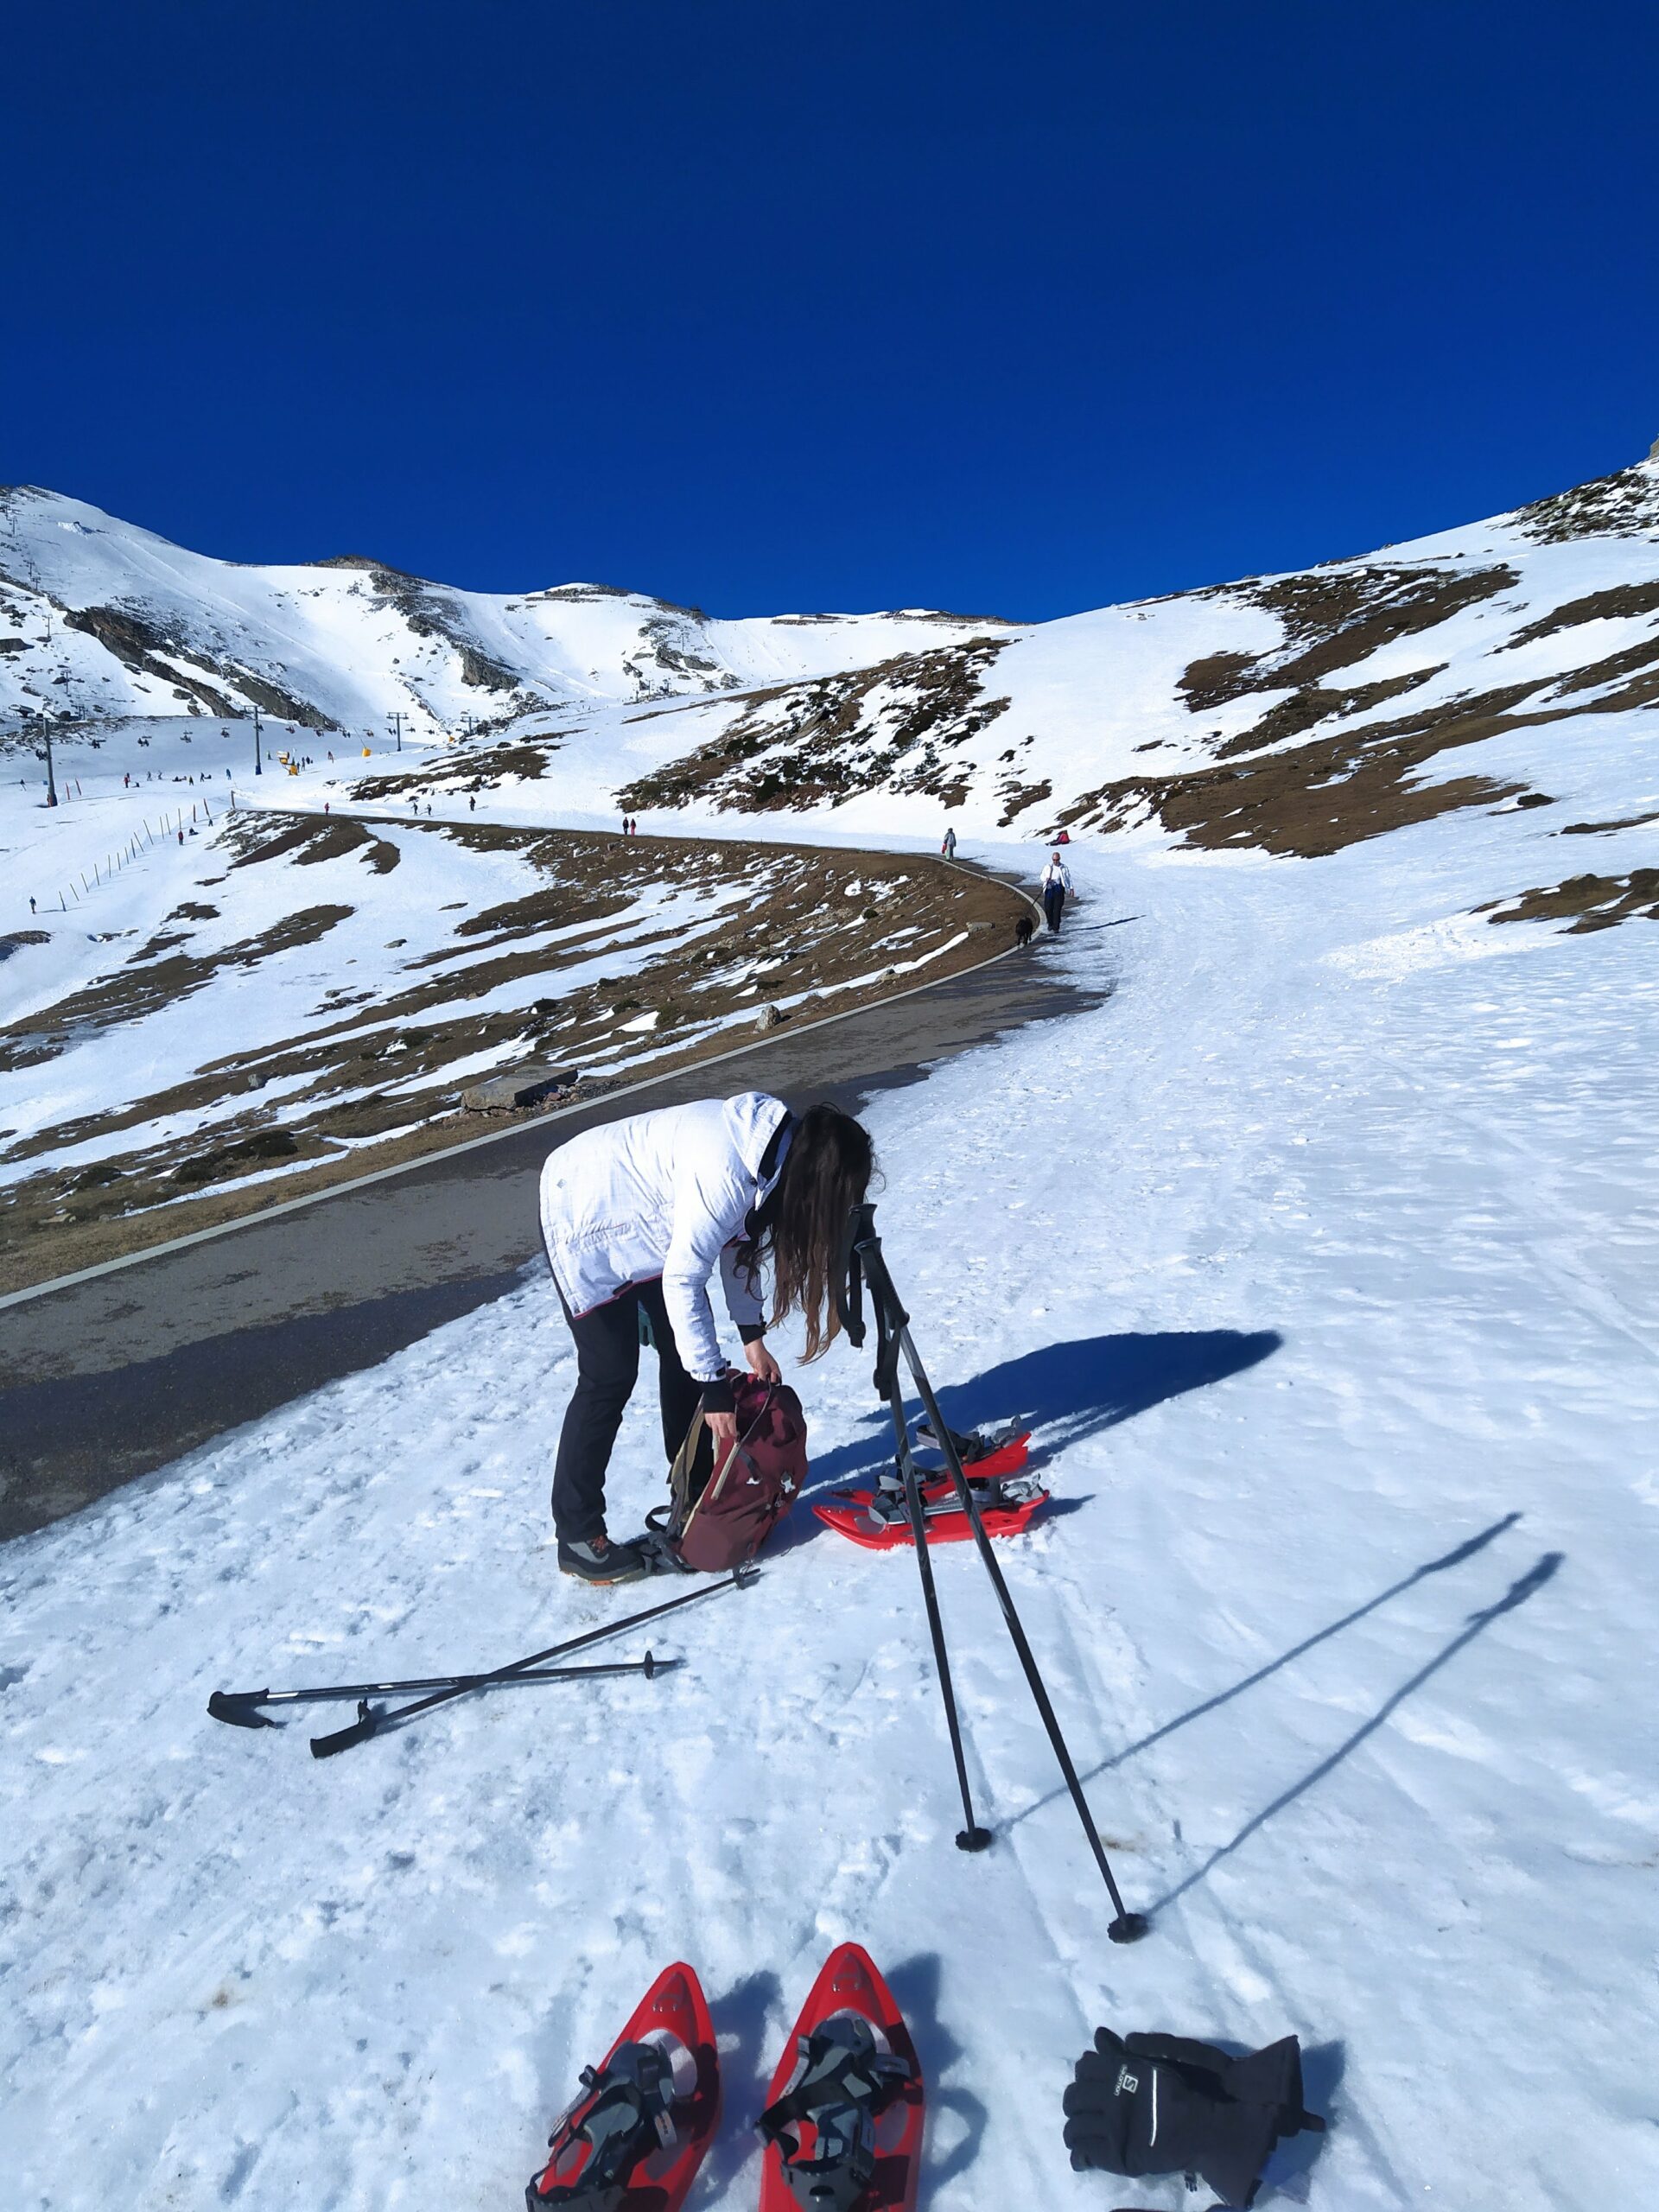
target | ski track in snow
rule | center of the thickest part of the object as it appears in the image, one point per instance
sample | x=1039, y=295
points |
x=1322, y=1253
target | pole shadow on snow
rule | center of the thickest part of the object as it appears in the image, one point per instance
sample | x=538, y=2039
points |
x=1455, y=1557
x=1073, y=1390
x=1517, y=1594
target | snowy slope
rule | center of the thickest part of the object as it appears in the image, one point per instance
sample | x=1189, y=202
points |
x=1212, y=715
x=213, y=993
x=1321, y=1255
x=101, y=619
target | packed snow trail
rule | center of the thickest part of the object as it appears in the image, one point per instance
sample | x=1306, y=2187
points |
x=1319, y=1254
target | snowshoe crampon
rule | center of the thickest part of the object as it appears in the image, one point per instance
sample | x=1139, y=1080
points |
x=633, y=2139
x=842, y=2127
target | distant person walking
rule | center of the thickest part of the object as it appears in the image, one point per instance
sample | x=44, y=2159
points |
x=1056, y=882
x=949, y=848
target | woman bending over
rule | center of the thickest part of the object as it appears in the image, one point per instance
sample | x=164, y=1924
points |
x=637, y=1217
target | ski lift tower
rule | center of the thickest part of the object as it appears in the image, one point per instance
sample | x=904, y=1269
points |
x=46, y=734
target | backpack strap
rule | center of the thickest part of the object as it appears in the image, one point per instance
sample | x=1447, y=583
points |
x=842, y=2081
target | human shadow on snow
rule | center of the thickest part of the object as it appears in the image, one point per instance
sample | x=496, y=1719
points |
x=744, y=2019
x=915, y=1987
x=1526, y=1587
x=1073, y=1390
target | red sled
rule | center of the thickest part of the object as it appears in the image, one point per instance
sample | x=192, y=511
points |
x=888, y=2134
x=661, y=2078
x=859, y=1526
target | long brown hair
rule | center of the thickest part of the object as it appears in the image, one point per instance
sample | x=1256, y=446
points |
x=826, y=1172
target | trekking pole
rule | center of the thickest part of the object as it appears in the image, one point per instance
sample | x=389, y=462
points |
x=369, y=1724
x=240, y=1707
x=848, y=1284
x=894, y=1325
x=971, y=1836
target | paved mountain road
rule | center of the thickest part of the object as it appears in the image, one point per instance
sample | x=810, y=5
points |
x=108, y=1379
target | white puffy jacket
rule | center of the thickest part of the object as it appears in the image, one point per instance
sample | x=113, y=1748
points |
x=662, y=1194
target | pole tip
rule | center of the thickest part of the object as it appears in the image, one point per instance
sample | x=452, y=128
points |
x=974, y=1839
x=1129, y=1928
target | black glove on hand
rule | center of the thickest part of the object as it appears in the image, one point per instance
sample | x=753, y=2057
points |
x=717, y=1397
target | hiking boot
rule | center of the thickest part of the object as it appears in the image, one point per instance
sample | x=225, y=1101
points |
x=596, y=1559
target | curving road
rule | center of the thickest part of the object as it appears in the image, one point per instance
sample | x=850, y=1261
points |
x=109, y=1377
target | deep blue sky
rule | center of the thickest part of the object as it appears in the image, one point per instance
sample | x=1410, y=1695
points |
x=759, y=306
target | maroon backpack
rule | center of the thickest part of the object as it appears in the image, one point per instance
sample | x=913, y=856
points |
x=751, y=1488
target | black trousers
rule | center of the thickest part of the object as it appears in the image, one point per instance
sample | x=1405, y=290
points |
x=607, y=1367
x=1054, y=906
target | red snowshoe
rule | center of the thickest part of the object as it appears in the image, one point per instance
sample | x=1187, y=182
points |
x=842, y=2127
x=634, y=2138
x=1005, y=1508
x=879, y=1519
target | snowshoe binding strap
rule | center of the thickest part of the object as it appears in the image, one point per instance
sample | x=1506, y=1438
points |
x=979, y=1444
x=626, y=2113
x=842, y=2081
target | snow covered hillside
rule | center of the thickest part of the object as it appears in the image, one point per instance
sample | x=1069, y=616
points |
x=1509, y=662
x=1322, y=1257
x=219, y=1002
x=1320, y=1253
x=1295, y=714
x=99, y=618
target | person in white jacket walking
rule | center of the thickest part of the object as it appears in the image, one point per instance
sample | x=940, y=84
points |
x=1056, y=882
x=637, y=1217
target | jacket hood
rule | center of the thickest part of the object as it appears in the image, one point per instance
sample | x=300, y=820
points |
x=752, y=1118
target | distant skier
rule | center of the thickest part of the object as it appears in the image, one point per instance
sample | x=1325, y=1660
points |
x=31, y=905
x=1056, y=882
x=637, y=1216
x=949, y=848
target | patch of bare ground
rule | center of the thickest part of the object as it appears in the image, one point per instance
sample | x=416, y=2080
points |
x=1624, y=504
x=1334, y=620
x=166, y=977
x=1619, y=603
x=155, y=645
x=308, y=840
x=377, y=1084
x=1588, y=902
x=473, y=768
x=1604, y=828
x=822, y=741
x=1350, y=785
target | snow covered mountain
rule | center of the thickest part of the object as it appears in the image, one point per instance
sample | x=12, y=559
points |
x=100, y=619
x=1295, y=714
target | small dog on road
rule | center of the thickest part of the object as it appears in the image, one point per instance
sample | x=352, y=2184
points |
x=1022, y=929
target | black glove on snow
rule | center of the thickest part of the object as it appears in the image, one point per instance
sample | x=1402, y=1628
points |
x=1159, y=2104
